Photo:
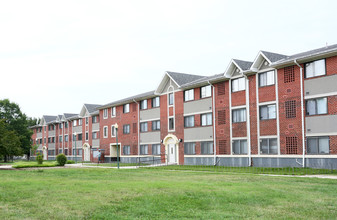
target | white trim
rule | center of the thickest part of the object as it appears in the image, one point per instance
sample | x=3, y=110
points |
x=268, y=136
x=155, y=119
x=142, y=155
x=147, y=143
x=321, y=134
x=267, y=103
x=230, y=116
x=257, y=113
x=265, y=70
x=198, y=113
x=320, y=95
x=238, y=107
x=277, y=114
x=248, y=122
x=238, y=138
x=199, y=140
x=199, y=155
x=113, y=116
x=95, y=131
x=297, y=156
x=111, y=130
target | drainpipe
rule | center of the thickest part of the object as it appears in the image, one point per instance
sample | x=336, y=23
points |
x=138, y=124
x=248, y=122
x=302, y=111
x=213, y=110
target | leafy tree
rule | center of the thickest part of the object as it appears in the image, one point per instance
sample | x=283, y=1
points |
x=9, y=142
x=18, y=123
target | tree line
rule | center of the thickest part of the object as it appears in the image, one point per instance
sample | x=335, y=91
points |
x=15, y=135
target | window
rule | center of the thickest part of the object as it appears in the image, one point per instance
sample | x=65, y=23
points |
x=267, y=78
x=189, y=121
x=238, y=84
x=79, y=137
x=126, y=108
x=315, y=68
x=86, y=120
x=51, y=152
x=206, y=119
x=171, y=98
x=105, y=113
x=290, y=109
x=144, y=149
x=113, y=112
x=113, y=131
x=66, y=125
x=207, y=147
x=95, y=119
x=60, y=139
x=79, y=121
x=143, y=104
x=318, y=145
x=268, y=146
x=267, y=112
x=94, y=135
x=41, y=141
x=171, y=123
x=317, y=106
x=61, y=126
x=289, y=74
x=155, y=125
x=49, y=140
x=45, y=140
x=155, y=149
x=189, y=148
x=86, y=136
x=239, y=115
x=60, y=151
x=74, y=123
x=126, y=129
x=79, y=152
x=188, y=95
x=206, y=91
x=66, y=137
x=105, y=131
x=143, y=127
x=126, y=150
x=240, y=147
x=155, y=102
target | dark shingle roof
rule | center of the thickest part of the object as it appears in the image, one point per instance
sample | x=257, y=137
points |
x=92, y=108
x=244, y=65
x=308, y=54
x=183, y=78
x=273, y=57
x=202, y=80
x=49, y=118
x=69, y=115
x=127, y=100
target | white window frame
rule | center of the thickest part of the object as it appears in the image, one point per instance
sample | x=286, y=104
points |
x=209, y=147
x=105, y=113
x=113, y=112
x=74, y=123
x=80, y=122
x=128, y=130
x=126, y=108
x=318, y=144
x=241, y=140
x=156, y=101
x=188, y=95
x=188, y=145
x=206, y=91
x=316, y=106
x=269, y=115
x=267, y=78
x=105, y=132
x=171, y=94
x=238, y=84
x=236, y=110
x=169, y=124
x=206, y=119
x=143, y=104
x=189, y=121
x=315, y=71
x=269, y=146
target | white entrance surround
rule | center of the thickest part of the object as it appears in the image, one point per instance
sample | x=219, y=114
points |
x=86, y=152
x=45, y=153
x=171, y=149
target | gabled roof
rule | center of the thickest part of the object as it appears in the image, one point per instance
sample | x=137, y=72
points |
x=128, y=100
x=92, y=108
x=265, y=55
x=203, y=81
x=308, y=55
x=68, y=116
x=241, y=65
x=49, y=119
x=183, y=78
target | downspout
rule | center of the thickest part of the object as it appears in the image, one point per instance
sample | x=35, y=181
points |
x=302, y=111
x=138, y=124
x=213, y=110
x=248, y=121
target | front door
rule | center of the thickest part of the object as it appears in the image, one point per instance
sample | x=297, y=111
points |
x=172, y=153
x=86, y=153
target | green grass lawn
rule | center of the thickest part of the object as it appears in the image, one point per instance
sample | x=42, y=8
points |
x=161, y=194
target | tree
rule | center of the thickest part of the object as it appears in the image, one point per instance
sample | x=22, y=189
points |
x=9, y=142
x=18, y=123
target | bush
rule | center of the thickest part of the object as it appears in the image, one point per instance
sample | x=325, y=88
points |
x=39, y=158
x=61, y=159
x=70, y=162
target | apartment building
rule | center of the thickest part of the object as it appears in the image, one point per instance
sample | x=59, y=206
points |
x=275, y=110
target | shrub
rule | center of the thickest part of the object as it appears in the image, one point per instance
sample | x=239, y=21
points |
x=70, y=162
x=39, y=158
x=61, y=159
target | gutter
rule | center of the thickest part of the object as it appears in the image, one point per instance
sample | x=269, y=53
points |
x=248, y=122
x=302, y=111
x=138, y=124
x=213, y=110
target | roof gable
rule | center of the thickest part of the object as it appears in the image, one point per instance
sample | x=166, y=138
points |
x=237, y=67
x=264, y=59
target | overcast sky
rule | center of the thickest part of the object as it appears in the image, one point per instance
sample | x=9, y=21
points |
x=57, y=55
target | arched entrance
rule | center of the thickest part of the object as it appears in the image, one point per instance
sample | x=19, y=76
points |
x=45, y=153
x=86, y=152
x=171, y=148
